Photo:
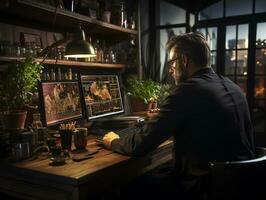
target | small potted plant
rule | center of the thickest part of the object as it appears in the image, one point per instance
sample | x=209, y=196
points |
x=164, y=91
x=143, y=94
x=16, y=90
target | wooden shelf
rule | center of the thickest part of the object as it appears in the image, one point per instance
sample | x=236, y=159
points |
x=66, y=20
x=67, y=63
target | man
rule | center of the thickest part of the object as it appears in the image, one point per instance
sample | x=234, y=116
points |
x=207, y=115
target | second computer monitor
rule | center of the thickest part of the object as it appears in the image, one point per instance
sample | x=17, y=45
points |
x=102, y=95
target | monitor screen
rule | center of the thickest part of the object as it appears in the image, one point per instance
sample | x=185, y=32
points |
x=102, y=95
x=61, y=101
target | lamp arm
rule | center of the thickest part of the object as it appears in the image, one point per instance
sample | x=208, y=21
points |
x=47, y=49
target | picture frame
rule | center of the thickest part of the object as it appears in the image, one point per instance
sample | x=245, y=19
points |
x=31, y=38
x=60, y=101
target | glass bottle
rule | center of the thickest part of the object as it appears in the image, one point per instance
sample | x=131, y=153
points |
x=70, y=74
x=97, y=50
x=123, y=15
x=52, y=75
x=59, y=74
x=112, y=56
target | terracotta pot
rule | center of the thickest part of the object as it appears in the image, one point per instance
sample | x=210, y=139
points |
x=13, y=119
x=138, y=105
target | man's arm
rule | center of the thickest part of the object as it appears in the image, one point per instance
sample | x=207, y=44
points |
x=156, y=131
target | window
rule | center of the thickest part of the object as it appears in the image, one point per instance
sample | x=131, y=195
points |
x=238, y=7
x=212, y=12
x=191, y=20
x=260, y=78
x=171, y=14
x=210, y=34
x=236, y=54
x=165, y=35
x=260, y=6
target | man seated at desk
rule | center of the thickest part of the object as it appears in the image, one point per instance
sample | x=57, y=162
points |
x=207, y=115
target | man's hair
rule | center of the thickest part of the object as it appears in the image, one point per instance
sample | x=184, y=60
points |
x=193, y=45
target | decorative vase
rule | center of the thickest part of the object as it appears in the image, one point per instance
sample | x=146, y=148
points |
x=13, y=119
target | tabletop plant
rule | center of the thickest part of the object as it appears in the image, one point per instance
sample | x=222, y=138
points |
x=143, y=89
x=164, y=91
x=19, y=84
x=17, y=87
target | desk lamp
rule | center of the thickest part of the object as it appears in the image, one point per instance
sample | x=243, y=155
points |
x=79, y=47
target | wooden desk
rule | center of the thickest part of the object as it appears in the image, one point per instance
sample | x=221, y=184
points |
x=36, y=179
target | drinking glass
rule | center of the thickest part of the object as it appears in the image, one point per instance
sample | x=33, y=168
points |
x=66, y=138
x=80, y=138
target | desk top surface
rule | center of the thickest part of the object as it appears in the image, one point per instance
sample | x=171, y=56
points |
x=75, y=173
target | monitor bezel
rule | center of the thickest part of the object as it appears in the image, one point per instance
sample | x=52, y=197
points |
x=42, y=104
x=106, y=114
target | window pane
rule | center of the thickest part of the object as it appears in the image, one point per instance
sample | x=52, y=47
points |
x=259, y=115
x=171, y=14
x=212, y=12
x=165, y=35
x=238, y=7
x=202, y=30
x=242, y=39
x=191, y=20
x=242, y=83
x=261, y=35
x=260, y=6
x=260, y=61
x=212, y=38
x=230, y=41
x=259, y=91
x=230, y=57
x=213, y=60
x=242, y=58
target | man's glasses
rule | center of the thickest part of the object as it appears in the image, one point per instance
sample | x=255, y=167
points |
x=171, y=62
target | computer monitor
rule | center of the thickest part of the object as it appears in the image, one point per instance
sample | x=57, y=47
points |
x=60, y=101
x=102, y=95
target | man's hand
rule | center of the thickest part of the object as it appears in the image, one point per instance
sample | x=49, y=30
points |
x=108, y=138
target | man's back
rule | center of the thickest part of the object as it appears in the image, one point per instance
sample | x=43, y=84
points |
x=217, y=124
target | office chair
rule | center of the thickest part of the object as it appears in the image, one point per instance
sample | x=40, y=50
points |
x=239, y=179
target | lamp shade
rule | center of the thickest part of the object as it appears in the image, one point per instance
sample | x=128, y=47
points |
x=79, y=47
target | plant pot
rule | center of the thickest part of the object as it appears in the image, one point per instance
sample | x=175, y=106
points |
x=13, y=119
x=138, y=105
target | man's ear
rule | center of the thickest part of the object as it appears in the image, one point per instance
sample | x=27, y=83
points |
x=184, y=61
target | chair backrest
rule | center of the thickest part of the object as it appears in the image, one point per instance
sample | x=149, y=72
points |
x=239, y=179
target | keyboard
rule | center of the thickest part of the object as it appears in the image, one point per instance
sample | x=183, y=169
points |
x=99, y=133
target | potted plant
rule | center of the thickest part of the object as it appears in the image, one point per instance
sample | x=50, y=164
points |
x=164, y=91
x=16, y=89
x=143, y=93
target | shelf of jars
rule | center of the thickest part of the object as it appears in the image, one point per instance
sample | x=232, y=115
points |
x=66, y=20
x=67, y=63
